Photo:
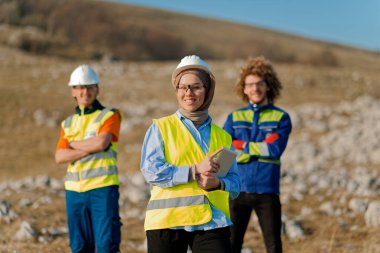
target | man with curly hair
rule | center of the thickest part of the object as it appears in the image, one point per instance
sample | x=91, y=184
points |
x=260, y=134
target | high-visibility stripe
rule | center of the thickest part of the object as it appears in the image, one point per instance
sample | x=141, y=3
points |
x=243, y=157
x=177, y=202
x=89, y=135
x=242, y=126
x=91, y=173
x=68, y=121
x=246, y=116
x=258, y=148
x=254, y=148
x=264, y=149
x=99, y=155
x=278, y=162
x=98, y=172
x=102, y=114
x=268, y=127
x=72, y=176
x=270, y=115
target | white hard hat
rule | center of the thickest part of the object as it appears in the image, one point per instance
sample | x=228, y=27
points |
x=84, y=75
x=191, y=62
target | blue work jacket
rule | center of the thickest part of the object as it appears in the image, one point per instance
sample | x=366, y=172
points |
x=259, y=162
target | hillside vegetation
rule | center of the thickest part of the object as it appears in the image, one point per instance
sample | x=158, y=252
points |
x=84, y=29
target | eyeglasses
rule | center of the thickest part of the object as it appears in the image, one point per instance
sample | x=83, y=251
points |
x=87, y=87
x=193, y=88
x=258, y=84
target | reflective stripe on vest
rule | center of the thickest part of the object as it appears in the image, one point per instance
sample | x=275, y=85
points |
x=99, y=155
x=102, y=114
x=68, y=121
x=177, y=202
x=91, y=173
x=97, y=169
x=185, y=204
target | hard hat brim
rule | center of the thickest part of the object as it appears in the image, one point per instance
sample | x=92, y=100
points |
x=82, y=84
x=194, y=66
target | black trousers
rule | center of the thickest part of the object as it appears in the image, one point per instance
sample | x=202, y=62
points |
x=178, y=240
x=268, y=210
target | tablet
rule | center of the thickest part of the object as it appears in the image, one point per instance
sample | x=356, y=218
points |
x=226, y=158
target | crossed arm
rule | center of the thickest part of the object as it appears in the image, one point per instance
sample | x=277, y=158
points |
x=79, y=149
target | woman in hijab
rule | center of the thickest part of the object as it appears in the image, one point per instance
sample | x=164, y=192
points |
x=189, y=201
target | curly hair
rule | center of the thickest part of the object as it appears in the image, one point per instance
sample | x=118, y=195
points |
x=263, y=68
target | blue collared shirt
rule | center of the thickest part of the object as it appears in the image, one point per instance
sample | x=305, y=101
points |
x=160, y=173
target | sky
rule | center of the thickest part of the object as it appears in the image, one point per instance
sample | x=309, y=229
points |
x=349, y=22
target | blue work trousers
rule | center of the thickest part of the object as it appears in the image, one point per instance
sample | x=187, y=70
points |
x=93, y=220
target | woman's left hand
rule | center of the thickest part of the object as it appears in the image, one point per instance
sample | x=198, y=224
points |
x=207, y=181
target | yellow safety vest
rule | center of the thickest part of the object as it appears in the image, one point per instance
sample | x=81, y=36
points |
x=185, y=204
x=95, y=170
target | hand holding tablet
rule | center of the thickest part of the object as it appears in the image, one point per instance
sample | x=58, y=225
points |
x=226, y=158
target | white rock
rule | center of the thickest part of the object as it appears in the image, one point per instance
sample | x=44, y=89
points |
x=372, y=215
x=42, y=181
x=358, y=205
x=327, y=208
x=51, y=231
x=136, y=195
x=297, y=196
x=137, y=180
x=294, y=230
x=24, y=202
x=306, y=212
x=134, y=213
x=6, y=213
x=3, y=186
x=56, y=184
x=42, y=201
x=26, y=231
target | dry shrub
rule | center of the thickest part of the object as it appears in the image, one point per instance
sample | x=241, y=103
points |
x=273, y=51
x=30, y=44
x=84, y=29
x=29, y=39
x=276, y=52
x=162, y=45
x=326, y=57
x=9, y=12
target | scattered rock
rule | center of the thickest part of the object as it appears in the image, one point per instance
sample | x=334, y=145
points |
x=6, y=213
x=25, y=232
x=358, y=205
x=372, y=215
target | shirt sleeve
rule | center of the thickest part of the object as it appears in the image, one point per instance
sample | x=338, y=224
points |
x=231, y=181
x=63, y=143
x=154, y=167
x=112, y=125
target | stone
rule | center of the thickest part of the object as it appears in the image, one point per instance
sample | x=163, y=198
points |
x=25, y=232
x=372, y=215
